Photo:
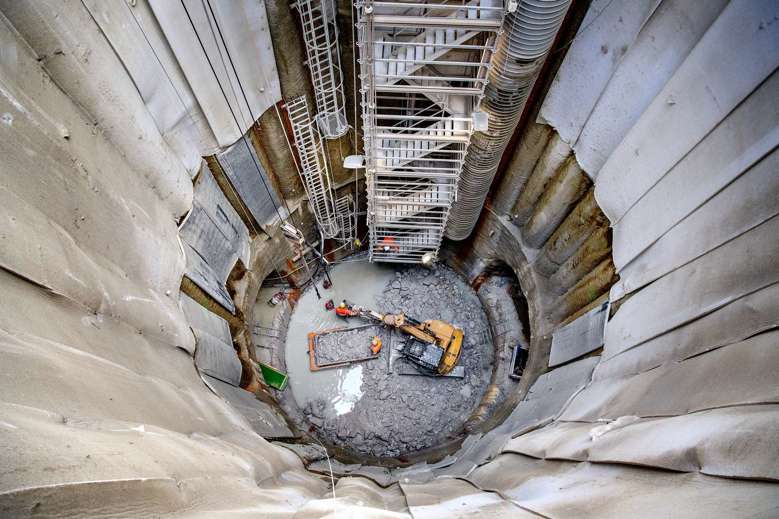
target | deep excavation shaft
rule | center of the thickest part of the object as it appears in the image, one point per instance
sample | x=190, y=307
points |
x=389, y=258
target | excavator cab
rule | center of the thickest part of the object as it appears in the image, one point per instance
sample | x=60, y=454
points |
x=451, y=352
x=426, y=356
x=433, y=345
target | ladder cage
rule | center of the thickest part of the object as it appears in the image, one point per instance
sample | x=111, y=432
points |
x=320, y=34
x=346, y=214
x=314, y=173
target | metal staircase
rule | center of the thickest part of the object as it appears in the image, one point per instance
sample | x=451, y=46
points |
x=320, y=33
x=423, y=66
x=314, y=172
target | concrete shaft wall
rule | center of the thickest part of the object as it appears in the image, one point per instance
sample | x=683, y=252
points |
x=662, y=122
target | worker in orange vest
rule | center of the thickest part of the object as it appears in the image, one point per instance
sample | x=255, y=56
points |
x=388, y=244
x=375, y=345
x=345, y=310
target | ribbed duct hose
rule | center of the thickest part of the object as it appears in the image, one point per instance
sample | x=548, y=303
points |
x=521, y=49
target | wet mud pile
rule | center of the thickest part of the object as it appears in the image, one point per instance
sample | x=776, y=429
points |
x=399, y=414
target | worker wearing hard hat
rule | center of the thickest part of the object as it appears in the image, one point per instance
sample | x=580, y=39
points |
x=344, y=310
x=388, y=244
x=375, y=345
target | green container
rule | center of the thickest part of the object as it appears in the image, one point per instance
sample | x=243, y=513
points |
x=273, y=377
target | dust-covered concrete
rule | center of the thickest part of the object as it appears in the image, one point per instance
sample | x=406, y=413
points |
x=401, y=414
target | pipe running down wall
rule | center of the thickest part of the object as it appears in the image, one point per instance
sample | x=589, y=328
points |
x=528, y=34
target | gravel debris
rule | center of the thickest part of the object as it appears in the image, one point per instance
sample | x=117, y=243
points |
x=401, y=414
x=342, y=346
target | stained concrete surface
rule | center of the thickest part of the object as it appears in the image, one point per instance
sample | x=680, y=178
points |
x=367, y=409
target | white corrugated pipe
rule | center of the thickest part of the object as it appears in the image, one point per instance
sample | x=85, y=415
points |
x=521, y=50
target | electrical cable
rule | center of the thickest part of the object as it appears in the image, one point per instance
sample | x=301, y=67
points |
x=243, y=93
x=294, y=160
x=354, y=79
x=159, y=61
x=330, y=467
x=325, y=148
x=229, y=106
x=246, y=101
x=354, y=129
x=300, y=173
x=275, y=278
x=289, y=145
x=248, y=107
x=247, y=216
x=251, y=114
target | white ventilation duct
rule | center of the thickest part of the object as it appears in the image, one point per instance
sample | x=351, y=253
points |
x=527, y=36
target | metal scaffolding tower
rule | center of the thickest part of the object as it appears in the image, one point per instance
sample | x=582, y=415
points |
x=423, y=67
x=320, y=34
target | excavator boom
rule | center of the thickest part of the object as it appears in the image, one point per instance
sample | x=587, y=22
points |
x=440, y=342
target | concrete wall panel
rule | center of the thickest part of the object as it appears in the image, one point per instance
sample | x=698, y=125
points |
x=607, y=31
x=748, y=201
x=731, y=442
x=214, y=353
x=564, y=489
x=739, y=267
x=744, y=137
x=739, y=374
x=711, y=82
x=140, y=44
x=661, y=46
x=218, y=46
x=74, y=52
x=579, y=337
x=753, y=313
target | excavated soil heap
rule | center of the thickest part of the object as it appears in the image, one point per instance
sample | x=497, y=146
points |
x=393, y=414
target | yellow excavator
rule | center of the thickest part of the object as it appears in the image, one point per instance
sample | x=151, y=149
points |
x=434, y=346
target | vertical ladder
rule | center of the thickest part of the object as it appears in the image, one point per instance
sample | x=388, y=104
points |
x=314, y=172
x=347, y=220
x=320, y=34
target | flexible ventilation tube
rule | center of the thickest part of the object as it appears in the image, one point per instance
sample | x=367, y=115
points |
x=520, y=52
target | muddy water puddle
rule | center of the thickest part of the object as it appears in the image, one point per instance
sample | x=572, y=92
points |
x=358, y=282
x=371, y=408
